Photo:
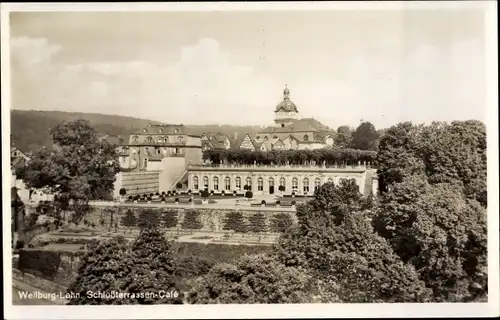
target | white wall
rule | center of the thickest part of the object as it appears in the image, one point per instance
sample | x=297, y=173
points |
x=171, y=169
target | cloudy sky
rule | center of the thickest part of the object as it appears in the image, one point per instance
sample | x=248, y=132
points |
x=231, y=67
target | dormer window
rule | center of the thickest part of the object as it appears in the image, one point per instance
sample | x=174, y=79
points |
x=176, y=130
x=160, y=130
x=144, y=130
x=265, y=138
x=306, y=137
x=134, y=139
x=275, y=137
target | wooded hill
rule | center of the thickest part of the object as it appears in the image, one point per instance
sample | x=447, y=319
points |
x=30, y=129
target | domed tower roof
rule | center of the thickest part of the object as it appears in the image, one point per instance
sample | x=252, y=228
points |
x=286, y=105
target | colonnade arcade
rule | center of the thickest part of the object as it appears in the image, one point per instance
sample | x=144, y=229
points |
x=300, y=183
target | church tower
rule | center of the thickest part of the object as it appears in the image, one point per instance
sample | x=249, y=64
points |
x=286, y=111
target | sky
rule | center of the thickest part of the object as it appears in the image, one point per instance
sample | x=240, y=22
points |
x=231, y=67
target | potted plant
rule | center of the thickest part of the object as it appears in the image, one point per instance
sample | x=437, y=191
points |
x=278, y=203
x=293, y=203
x=204, y=196
x=176, y=200
x=149, y=199
x=281, y=189
x=263, y=203
x=189, y=192
x=234, y=193
x=249, y=195
x=293, y=194
x=123, y=192
x=162, y=199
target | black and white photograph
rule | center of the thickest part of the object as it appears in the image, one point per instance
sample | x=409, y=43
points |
x=285, y=159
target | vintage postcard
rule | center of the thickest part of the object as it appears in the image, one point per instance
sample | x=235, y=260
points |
x=249, y=160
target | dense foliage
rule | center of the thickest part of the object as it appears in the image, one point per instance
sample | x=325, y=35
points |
x=145, y=266
x=149, y=218
x=78, y=169
x=129, y=220
x=365, y=137
x=253, y=279
x=328, y=156
x=39, y=261
x=280, y=222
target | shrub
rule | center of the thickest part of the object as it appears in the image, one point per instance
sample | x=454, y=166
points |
x=293, y=202
x=190, y=200
x=263, y=202
x=257, y=223
x=191, y=220
x=130, y=198
x=144, y=196
x=163, y=193
x=123, y=191
x=249, y=194
x=235, y=221
x=189, y=191
x=163, y=199
x=204, y=194
x=278, y=202
x=178, y=185
x=169, y=193
x=223, y=192
x=43, y=261
x=281, y=188
x=293, y=193
x=157, y=194
x=149, y=198
x=234, y=192
x=176, y=200
x=170, y=219
x=281, y=222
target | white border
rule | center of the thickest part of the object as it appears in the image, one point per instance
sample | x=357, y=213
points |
x=267, y=311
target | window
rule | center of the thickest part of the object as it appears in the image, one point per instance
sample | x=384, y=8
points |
x=238, y=183
x=216, y=183
x=249, y=182
x=195, y=183
x=306, y=137
x=271, y=182
x=205, y=182
x=176, y=130
x=260, y=184
x=265, y=138
x=258, y=137
x=158, y=150
x=134, y=138
x=317, y=184
x=275, y=137
x=227, y=183
x=282, y=125
x=145, y=163
x=295, y=184
x=149, y=140
x=306, y=185
x=283, y=182
x=165, y=139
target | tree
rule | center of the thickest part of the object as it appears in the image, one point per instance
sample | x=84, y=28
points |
x=235, y=221
x=253, y=279
x=154, y=269
x=249, y=194
x=102, y=270
x=365, y=137
x=148, y=219
x=170, y=219
x=257, y=223
x=398, y=155
x=440, y=232
x=281, y=222
x=79, y=168
x=129, y=220
x=343, y=137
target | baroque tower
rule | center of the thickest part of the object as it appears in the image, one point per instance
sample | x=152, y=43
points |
x=286, y=111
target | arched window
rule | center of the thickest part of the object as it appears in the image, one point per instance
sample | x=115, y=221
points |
x=205, y=182
x=216, y=183
x=238, y=183
x=149, y=139
x=317, y=183
x=271, y=182
x=165, y=139
x=295, y=184
x=275, y=137
x=160, y=139
x=195, y=183
x=306, y=137
x=306, y=185
x=265, y=138
x=260, y=184
x=134, y=138
x=227, y=183
x=248, y=182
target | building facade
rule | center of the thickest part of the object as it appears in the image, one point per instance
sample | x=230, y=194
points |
x=290, y=131
x=302, y=180
x=216, y=141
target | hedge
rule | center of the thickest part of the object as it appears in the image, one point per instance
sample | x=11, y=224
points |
x=293, y=157
x=235, y=221
x=192, y=220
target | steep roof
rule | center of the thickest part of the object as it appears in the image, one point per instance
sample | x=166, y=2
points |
x=302, y=125
x=114, y=139
x=163, y=129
